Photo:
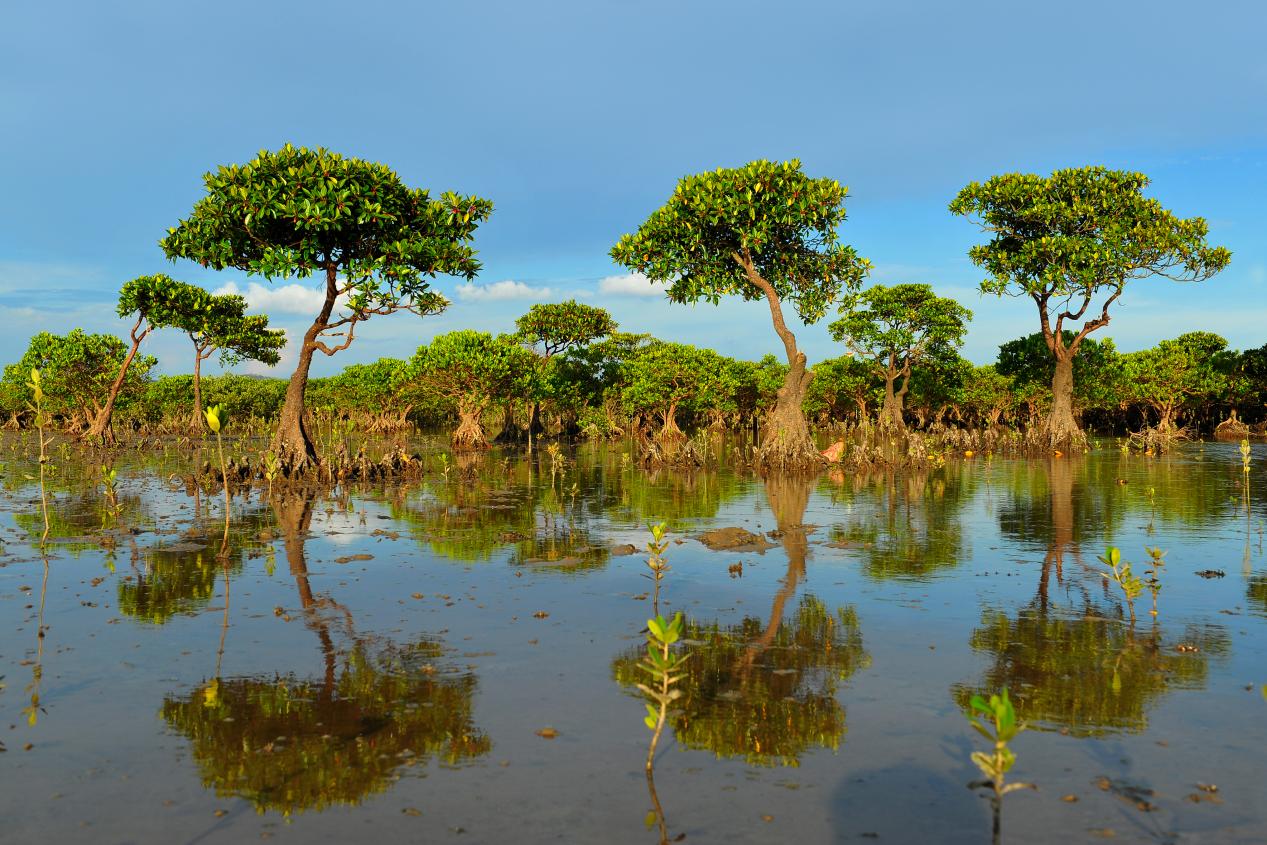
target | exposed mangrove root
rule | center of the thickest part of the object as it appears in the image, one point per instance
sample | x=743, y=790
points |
x=1232, y=428
x=338, y=469
x=1158, y=439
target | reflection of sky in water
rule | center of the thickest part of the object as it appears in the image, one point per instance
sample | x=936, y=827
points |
x=952, y=557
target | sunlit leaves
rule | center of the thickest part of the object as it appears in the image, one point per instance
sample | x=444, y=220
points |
x=1080, y=230
x=767, y=213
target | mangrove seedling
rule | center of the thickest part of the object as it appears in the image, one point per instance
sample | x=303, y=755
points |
x=656, y=562
x=110, y=490
x=1120, y=572
x=1152, y=573
x=272, y=469
x=1245, y=470
x=41, y=421
x=664, y=670
x=1001, y=716
x=216, y=419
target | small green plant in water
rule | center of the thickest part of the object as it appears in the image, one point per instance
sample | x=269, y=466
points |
x=110, y=490
x=557, y=461
x=664, y=669
x=1000, y=728
x=42, y=419
x=656, y=561
x=1152, y=573
x=1120, y=572
x=1245, y=469
x=216, y=420
x=272, y=469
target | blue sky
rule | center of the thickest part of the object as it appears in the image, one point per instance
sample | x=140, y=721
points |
x=577, y=118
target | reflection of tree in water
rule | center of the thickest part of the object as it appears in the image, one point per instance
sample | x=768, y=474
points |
x=180, y=577
x=909, y=525
x=170, y=583
x=1256, y=592
x=83, y=521
x=677, y=497
x=1089, y=674
x=766, y=690
x=289, y=743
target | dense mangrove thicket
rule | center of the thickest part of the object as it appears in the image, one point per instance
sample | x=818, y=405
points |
x=663, y=393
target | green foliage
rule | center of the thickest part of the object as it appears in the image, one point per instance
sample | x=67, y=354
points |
x=242, y=396
x=557, y=327
x=1191, y=369
x=841, y=385
x=663, y=668
x=1001, y=717
x=212, y=322
x=1096, y=370
x=297, y=211
x=373, y=388
x=987, y=393
x=940, y=383
x=1077, y=233
x=895, y=328
x=766, y=216
x=665, y=377
x=78, y=370
x=469, y=369
x=1120, y=573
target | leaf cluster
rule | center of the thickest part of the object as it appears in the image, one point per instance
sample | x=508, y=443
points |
x=1078, y=231
x=897, y=327
x=765, y=217
x=296, y=211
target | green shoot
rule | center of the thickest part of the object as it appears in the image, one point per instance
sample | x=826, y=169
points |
x=41, y=420
x=216, y=420
x=1152, y=572
x=1120, y=572
x=656, y=562
x=1000, y=727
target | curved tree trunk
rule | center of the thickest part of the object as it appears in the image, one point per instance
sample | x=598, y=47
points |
x=786, y=444
x=291, y=442
x=788, y=498
x=101, y=425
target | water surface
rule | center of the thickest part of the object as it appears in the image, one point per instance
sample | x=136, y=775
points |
x=389, y=659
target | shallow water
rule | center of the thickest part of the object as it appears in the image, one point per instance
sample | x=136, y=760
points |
x=387, y=660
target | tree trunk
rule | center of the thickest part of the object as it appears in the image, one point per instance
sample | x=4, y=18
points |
x=511, y=431
x=891, y=415
x=101, y=425
x=669, y=431
x=786, y=444
x=197, y=429
x=470, y=431
x=788, y=500
x=1062, y=429
x=291, y=442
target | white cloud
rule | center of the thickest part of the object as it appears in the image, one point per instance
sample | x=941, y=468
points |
x=499, y=291
x=630, y=284
x=284, y=299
